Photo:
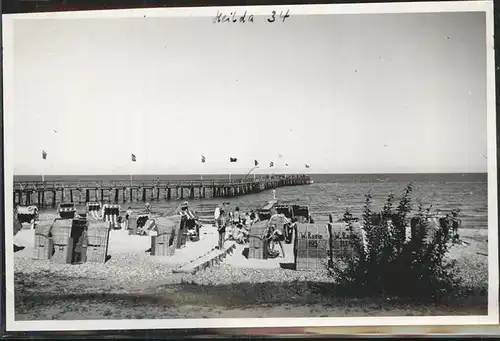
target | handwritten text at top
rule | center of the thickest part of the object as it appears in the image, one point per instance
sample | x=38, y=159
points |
x=245, y=17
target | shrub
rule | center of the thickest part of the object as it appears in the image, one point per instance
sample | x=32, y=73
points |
x=388, y=262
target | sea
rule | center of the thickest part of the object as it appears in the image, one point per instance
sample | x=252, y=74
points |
x=334, y=193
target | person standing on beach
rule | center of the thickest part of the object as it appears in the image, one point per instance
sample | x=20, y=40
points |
x=184, y=213
x=236, y=215
x=128, y=215
x=221, y=228
x=455, y=224
x=217, y=212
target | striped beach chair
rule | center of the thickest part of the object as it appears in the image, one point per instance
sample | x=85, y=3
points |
x=94, y=210
x=67, y=210
x=27, y=214
x=110, y=214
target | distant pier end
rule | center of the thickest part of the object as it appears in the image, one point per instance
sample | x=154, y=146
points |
x=51, y=193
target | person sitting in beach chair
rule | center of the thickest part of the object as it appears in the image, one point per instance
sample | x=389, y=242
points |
x=275, y=236
x=289, y=227
x=246, y=219
x=147, y=228
x=240, y=234
x=236, y=216
x=254, y=217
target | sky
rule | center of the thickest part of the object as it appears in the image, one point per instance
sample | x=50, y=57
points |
x=372, y=93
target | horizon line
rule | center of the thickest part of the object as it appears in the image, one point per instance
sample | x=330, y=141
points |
x=234, y=174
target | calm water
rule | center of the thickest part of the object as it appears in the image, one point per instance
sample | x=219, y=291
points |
x=336, y=192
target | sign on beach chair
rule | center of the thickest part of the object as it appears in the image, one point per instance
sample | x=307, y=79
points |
x=164, y=243
x=310, y=247
x=44, y=246
x=27, y=214
x=341, y=246
x=98, y=241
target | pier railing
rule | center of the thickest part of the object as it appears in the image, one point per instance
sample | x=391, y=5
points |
x=143, y=190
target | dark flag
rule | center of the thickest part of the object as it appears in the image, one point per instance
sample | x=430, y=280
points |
x=256, y=163
x=233, y=159
x=271, y=164
x=44, y=155
x=307, y=166
x=134, y=159
x=203, y=159
x=286, y=164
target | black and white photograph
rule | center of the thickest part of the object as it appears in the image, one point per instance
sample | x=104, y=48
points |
x=277, y=166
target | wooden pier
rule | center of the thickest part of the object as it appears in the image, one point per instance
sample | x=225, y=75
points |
x=50, y=193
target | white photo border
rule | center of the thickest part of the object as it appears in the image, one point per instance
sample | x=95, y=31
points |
x=332, y=9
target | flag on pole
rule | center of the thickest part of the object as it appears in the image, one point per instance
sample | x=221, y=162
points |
x=280, y=156
x=256, y=163
x=286, y=164
x=134, y=159
x=203, y=159
x=307, y=166
x=271, y=164
x=44, y=155
x=233, y=159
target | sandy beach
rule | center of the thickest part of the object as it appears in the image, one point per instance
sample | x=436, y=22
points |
x=134, y=284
